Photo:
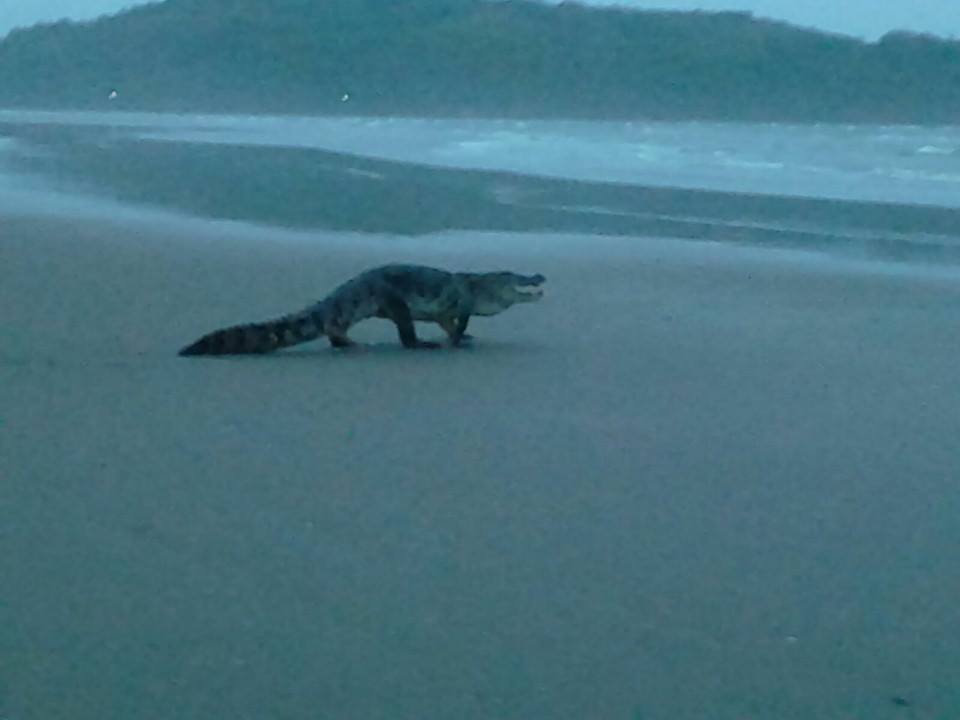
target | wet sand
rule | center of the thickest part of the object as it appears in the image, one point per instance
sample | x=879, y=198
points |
x=695, y=481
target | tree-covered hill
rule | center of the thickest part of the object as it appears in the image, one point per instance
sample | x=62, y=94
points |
x=475, y=57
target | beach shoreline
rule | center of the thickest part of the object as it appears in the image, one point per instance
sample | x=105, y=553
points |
x=310, y=189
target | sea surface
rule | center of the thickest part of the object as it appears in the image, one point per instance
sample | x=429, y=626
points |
x=887, y=190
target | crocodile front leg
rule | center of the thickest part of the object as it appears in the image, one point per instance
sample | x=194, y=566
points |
x=398, y=311
x=455, y=328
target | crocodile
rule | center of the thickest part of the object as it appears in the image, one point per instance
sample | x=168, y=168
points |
x=400, y=293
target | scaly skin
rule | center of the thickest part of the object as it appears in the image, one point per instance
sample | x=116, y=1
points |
x=401, y=293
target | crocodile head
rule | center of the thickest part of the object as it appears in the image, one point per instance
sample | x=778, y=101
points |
x=494, y=292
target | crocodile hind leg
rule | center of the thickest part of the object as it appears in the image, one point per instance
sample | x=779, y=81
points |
x=340, y=341
x=338, y=337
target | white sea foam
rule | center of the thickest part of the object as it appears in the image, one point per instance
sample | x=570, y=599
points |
x=937, y=150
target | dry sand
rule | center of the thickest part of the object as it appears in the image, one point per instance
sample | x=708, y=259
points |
x=695, y=482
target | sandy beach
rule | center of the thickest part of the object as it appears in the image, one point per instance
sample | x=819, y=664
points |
x=695, y=482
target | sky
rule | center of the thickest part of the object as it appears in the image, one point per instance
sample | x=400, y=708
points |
x=867, y=19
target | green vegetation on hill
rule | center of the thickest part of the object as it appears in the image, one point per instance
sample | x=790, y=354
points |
x=476, y=57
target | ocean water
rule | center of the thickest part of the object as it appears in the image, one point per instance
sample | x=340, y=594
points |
x=899, y=164
x=891, y=164
x=890, y=189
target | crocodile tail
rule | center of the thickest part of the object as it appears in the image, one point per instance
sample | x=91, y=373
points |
x=260, y=337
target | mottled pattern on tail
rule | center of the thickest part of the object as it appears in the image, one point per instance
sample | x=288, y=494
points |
x=262, y=337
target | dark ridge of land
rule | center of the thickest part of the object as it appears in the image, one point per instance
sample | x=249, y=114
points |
x=476, y=58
